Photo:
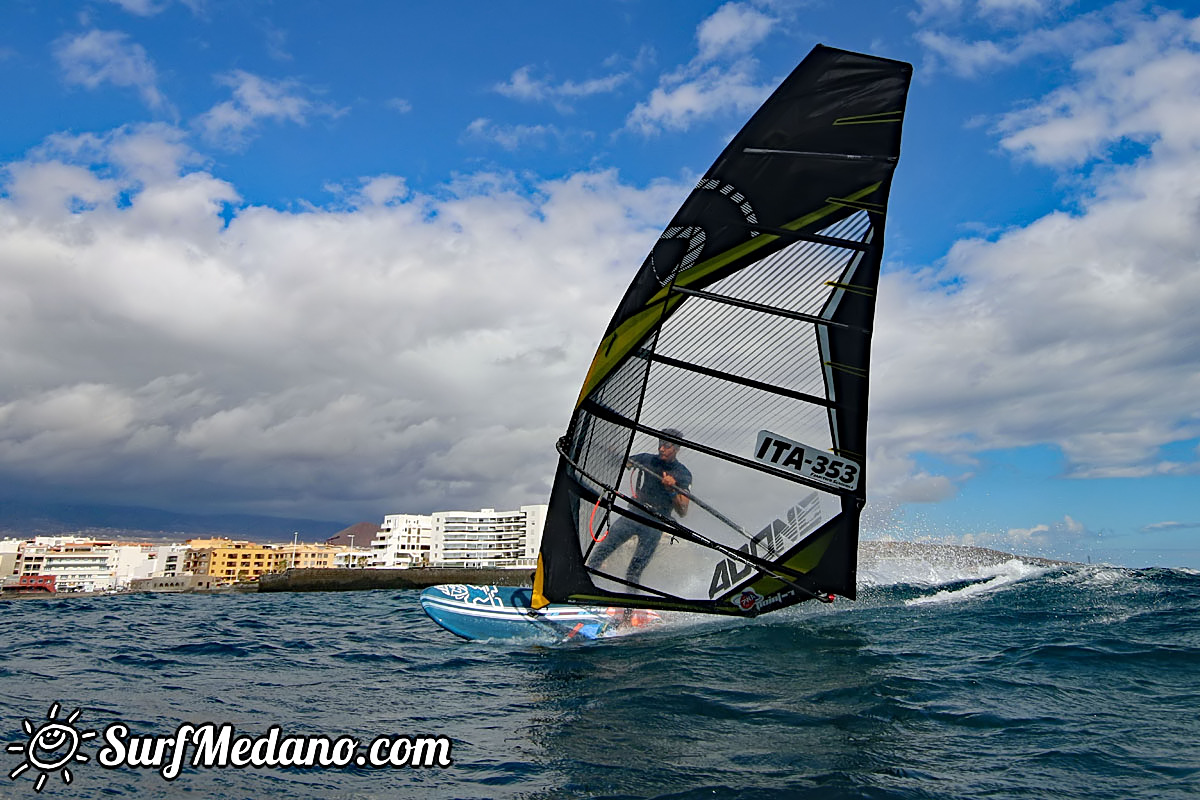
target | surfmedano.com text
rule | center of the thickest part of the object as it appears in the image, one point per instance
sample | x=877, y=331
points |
x=215, y=746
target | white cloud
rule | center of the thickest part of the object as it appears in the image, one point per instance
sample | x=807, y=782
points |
x=1015, y=12
x=523, y=86
x=143, y=8
x=1155, y=527
x=969, y=59
x=994, y=12
x=255, y=99
x=45, y=190
x=1042, y=537
x=688, y=96
x=144, y=153
x=515, y=137
x=150, y=8
x=719, y=79
x=733, y=29
x=400, y=351
x=1078, y=328
x=1145, y=89
x=97, y=57
x=938, y=10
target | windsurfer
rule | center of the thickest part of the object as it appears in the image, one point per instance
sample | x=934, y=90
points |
x=661, y=485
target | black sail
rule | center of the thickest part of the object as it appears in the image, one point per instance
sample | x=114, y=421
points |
x=744, y=340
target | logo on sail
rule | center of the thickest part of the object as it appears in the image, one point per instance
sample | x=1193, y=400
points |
x=770, y=543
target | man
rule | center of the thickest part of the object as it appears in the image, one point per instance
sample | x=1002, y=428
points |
x=660, y=484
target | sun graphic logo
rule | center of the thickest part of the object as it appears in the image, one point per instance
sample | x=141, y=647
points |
x=52, y=746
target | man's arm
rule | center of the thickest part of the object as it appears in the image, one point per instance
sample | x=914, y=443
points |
x=679, y=500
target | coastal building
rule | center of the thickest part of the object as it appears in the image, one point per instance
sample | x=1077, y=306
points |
x=80, y=564
x=309, y=556
x=404, y=540
x=76, y=563
x=231, y=561
x=131, y=561
x=234, y=561
x=486, y=538
x=9, y=549
x=32, y=584
x=176, y=584
x=169, y=560
x=353, y=557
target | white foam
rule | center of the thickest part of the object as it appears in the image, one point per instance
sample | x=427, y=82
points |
x=1007, y=573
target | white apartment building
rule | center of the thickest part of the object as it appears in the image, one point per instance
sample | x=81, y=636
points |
x=130, y=562
x=168, y=560
x=404, y=540
x=81, y=564
x=486, y=538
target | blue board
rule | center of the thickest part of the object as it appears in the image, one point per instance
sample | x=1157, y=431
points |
x=504, y=612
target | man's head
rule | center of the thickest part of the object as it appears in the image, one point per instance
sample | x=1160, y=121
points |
x=667, y=449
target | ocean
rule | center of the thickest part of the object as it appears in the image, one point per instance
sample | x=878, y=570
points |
x=944, y=680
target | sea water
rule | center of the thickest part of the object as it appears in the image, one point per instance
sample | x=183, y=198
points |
x=1010, y=680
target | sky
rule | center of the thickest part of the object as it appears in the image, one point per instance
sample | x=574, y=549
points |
x=341, y=260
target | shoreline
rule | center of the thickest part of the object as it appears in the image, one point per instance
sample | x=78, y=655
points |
x=871, y=552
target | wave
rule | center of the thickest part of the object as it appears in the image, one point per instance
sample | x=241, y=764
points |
x=886, y=563
x=1005, y=574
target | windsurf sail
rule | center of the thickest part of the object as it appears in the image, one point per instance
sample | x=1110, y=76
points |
x=744, y=342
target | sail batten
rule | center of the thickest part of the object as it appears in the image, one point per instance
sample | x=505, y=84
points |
x=797, y=236
x=758, y=151
x=779, y=312
x=766, y=387
x=714, y=459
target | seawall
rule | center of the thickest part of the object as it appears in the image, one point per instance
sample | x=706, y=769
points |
x=347, y=580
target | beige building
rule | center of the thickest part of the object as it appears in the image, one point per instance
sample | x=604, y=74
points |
x=231, y=561
x=174, y=583
x=309, y=556
x=9, y=550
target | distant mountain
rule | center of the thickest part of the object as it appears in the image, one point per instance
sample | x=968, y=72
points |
x=359, y=534
x=20, y=519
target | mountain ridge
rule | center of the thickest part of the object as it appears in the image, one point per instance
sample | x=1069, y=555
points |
x=23, y=519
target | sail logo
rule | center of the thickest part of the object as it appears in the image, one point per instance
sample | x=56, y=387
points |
x=771, y=542
x=807, y=462
x=748, y=600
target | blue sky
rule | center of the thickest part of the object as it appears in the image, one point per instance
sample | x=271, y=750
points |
x=342, y=260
